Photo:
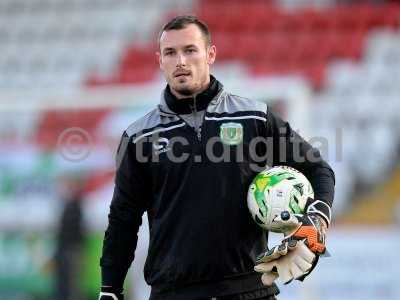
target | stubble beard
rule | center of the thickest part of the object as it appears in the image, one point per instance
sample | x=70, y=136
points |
x=186, y=89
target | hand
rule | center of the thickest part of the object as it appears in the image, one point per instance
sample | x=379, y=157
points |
x=308, y=227
x=109, y=293
x=298, y=253
x=288, y=261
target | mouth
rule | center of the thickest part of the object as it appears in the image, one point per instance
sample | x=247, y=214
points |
x=182, y=74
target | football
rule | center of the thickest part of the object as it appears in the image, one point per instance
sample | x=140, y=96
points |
x=276, y=190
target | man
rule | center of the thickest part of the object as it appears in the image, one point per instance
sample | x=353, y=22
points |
x=70, y=239
x=189, y=163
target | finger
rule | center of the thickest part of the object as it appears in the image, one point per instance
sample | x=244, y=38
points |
x=291, y=244
x=268, y=278
x=284, y=273
x=295, y=270
x=264, y=267
x=303, y=265
x=304, y=252
x=273, y=254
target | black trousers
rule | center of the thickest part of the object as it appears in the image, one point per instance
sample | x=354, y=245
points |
x=232, y=297
x=244, y=296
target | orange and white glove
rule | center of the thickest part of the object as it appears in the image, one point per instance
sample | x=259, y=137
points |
x=308, y=227
x=288, y=261
x=299, y=251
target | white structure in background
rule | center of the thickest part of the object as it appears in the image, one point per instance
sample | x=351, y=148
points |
x=356, y=269
x=362, y=101
x=58, y=43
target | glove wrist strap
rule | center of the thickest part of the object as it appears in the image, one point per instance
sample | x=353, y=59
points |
x=113, y=296
x=321, y=208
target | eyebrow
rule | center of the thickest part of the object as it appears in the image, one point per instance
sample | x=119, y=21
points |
x=168, y=49
x=185, y=47
x=190, y=46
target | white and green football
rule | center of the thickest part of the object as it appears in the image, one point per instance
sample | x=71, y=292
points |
x=275, y=190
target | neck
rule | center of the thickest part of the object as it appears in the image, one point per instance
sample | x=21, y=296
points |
x=185, y=105
x=203, y=87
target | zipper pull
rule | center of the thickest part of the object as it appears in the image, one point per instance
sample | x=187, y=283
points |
x=199, y=134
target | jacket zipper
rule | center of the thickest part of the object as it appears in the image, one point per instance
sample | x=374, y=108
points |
x=196, y=126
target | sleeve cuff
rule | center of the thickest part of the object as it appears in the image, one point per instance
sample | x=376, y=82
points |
x=321, y=208
x=110, y=292
x=114, y=278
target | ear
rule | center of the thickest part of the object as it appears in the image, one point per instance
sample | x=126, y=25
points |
x=211, y=54
x=158, y=54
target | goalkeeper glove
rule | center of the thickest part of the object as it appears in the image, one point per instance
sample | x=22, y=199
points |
x=307, y=227
x=110, y=293
x=288, y=261
x=300, y=231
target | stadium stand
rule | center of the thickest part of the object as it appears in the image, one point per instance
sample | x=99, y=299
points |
x=57, y=43
x=273, y=40
x=85, y=63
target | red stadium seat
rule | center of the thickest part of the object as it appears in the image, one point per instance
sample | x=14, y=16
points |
x=321, y=21
x=53, y=123
x=271, y=39
x=306, y=47
x=96, y=80
x=392, y=15
x=98, y=179
x=226, y=45
x=350, y=45
x=316, y=74
x=250, y=47
x=291, y=22
x=348, y=18
x=227, y=3
x=278, y=46
x=136, y=75
x=139, y=56
x=264, y=68
x=213, y=17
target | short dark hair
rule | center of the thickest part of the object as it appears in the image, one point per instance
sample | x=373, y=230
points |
x=181, y=22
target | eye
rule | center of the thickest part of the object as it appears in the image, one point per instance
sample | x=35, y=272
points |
x=169, y=53
x=191, y=50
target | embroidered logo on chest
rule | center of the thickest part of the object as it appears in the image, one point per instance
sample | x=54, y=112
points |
x=161, y=145
x=231, y=133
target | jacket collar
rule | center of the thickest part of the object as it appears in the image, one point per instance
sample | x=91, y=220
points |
x=171, y=104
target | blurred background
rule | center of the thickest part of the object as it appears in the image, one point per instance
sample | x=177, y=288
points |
x=75, y=73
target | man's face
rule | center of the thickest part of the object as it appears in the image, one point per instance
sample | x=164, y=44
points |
x=185, y=60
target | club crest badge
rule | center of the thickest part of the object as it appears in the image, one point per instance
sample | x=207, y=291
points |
x=231, y=133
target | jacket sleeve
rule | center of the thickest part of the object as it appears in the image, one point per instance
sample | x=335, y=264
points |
x=290, y=149
x=125, y=217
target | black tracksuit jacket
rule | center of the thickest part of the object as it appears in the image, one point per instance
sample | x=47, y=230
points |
x=203, y=242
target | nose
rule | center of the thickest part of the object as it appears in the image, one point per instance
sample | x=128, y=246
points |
x=181, y=60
